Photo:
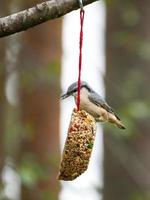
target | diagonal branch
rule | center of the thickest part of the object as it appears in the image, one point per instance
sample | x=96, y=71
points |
x=43, y=12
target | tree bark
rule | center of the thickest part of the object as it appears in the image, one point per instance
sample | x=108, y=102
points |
x=3, y=10
x=39, y=71
x=127, y=160
x=43, y=12
x=2, y=108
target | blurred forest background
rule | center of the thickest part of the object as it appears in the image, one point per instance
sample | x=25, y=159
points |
x=29, y=122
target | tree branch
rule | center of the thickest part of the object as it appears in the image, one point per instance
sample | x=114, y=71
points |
x=43, y=12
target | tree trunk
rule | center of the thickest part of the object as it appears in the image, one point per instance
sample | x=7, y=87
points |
x=127, y=161
x=39, y=70
x=3, y=10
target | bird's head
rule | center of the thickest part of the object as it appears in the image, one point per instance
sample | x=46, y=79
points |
x=73, y=88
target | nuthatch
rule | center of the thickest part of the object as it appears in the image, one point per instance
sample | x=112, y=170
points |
x=93, y=103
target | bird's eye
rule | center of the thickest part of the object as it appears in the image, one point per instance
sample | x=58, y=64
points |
x=74, y=91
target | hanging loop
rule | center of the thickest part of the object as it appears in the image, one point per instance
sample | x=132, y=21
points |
x=80, y=56
x=81, y=4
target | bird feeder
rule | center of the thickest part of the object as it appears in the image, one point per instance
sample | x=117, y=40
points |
x=78, y=146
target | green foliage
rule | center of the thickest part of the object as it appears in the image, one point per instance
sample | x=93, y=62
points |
x=47, y=195
x=31, y=171
x=140, y=196
x=38, y=76
x=130, y=17
x=138, y=110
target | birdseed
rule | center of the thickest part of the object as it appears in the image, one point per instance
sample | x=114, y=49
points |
x=78, y=145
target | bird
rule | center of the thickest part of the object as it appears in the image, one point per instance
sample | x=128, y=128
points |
x=93, y=103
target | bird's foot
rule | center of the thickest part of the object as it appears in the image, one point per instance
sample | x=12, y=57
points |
x=100, y=119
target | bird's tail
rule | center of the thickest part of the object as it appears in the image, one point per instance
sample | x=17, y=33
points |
x=120, y=124
x=115, y=120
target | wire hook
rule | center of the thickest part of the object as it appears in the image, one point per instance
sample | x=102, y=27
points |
x=81, y=4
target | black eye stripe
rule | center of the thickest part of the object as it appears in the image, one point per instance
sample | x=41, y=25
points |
x=73, y=89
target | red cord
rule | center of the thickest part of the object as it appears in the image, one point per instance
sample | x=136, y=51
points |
x=80, y=57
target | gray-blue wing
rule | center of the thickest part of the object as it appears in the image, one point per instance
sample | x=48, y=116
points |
x=98, y=100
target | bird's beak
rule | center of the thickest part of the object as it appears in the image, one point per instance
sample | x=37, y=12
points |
x=64, y=96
